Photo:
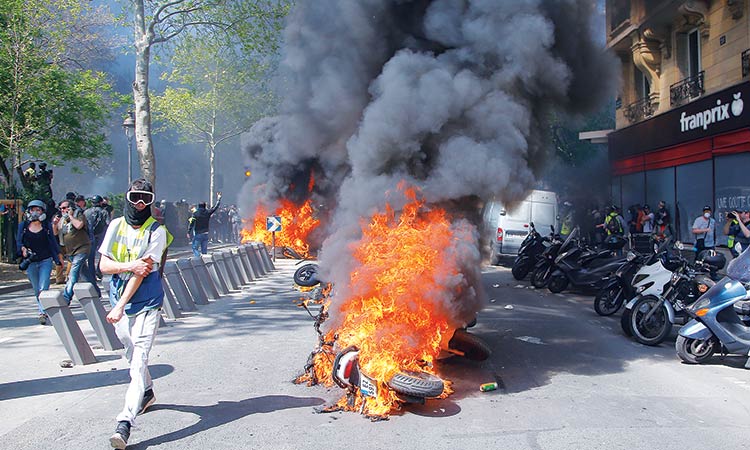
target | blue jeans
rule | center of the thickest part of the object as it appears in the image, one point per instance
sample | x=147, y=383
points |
x=200, y=239
x=78, y=262
x=38, y=273
x=95, y=244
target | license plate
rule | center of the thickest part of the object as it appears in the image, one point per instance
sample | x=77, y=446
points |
x=516, y=233
x=367, y=387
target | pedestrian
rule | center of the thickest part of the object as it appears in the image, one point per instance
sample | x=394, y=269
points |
x=73, y=228
x=647, y=220
x=198, y=226
x=30, y=173
x=36, y=244
x=98, y=219
x=704, y=229
x=133, y=251
x=737, y=228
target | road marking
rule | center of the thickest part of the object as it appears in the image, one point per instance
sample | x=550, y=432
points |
x=6, y=339
x=530, y=339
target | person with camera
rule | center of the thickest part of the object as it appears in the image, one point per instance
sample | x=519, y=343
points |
x=737, y=228
x=73, y=228
x=37, y=246
x=133, y=251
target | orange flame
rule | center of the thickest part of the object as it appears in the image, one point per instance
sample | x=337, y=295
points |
x=297, y=224
x=394, y=313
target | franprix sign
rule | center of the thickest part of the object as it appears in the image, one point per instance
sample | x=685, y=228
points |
x=714, y=114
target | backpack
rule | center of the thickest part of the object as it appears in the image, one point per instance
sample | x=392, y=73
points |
x=97, y=219
x=613, y=225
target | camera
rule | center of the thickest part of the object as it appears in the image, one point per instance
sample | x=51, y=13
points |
x=730, y=215
x=27, y=260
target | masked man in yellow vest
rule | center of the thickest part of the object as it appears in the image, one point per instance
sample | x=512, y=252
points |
x=132, y=251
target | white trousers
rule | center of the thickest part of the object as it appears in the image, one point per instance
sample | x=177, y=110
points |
x=137, y=335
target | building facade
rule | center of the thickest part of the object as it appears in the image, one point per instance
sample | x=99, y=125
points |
x=683, y=114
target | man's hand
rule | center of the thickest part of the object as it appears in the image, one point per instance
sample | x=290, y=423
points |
x=23, y=251
x=142, y=267
x=115, y=314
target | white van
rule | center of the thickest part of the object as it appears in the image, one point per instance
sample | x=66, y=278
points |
x=506, y=228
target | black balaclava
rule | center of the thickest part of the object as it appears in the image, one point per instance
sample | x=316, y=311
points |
x=132, y=216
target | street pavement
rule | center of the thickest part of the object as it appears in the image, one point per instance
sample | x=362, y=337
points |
x=568, y=379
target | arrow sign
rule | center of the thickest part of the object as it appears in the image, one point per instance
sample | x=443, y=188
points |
x=273, y=223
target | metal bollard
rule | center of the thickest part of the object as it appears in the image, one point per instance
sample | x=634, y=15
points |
x=177, y=284
x=66, y=327
x=224, y=271
x=170, y=303
x=201, y=274
x=255, y=262
x=232, y=269
x=92, y=307
x=259, y=256
x=192, y=282
x=267, y=257
x=213, y=271
x=239, y=268
x=245, y=260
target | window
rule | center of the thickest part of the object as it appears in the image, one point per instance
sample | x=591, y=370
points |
x=694, y=53
x=619, y=12
x=660, y=186
x=642, y=86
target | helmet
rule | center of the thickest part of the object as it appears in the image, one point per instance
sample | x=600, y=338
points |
x=37, y=203
x=32, y=216
x=97, y=199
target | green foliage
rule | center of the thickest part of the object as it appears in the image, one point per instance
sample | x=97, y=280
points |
x=49, y=109
x=568, y=147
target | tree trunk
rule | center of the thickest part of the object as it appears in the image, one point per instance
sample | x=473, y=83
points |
x=143, y=144
x=212, y=173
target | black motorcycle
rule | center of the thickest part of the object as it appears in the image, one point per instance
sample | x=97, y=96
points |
x=531, y=248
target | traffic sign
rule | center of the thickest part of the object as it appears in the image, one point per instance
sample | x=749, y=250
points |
x=273, y=223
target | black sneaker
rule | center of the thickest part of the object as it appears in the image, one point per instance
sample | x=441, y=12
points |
x=148, y=400
x=119, y=440
x=42, y=319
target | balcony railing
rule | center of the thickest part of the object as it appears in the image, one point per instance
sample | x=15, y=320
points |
x=637, y=111
x=746, y=63
x=686, y=89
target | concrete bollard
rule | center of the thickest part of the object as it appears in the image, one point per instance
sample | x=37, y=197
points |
x=242, y=274
x=92, y=307
x=170, y=303
x=232, y=269
x=201, y=273
x=258, y=250
x=177, y=284
x=66, y=327
x=246, y=263
x=192, y=282
x=256, y=259
x=215, y=274
x=224, y=270
x=267, y=257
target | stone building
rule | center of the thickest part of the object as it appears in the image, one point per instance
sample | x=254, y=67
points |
x=683, y=114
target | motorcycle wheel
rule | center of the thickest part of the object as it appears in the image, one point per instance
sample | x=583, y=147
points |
x=654, y=330
x=470, y=345
x=694, y=351
x=609, y=300
x=625, y=322
x=520, y=271
x=540, y=276
x=306, y=275
x=417, y=384
x=557, y=283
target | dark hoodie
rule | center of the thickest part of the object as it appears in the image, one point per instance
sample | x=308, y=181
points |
x=201, y=216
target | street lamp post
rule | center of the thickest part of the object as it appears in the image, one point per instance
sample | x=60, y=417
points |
x=128, y=125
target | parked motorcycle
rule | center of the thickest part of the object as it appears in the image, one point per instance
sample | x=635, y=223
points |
x=531, y=248
x=649, y=318
x=720, y=318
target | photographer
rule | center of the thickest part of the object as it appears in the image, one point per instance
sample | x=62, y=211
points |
x=36, y=244
x=75, y=236
x=737, y=228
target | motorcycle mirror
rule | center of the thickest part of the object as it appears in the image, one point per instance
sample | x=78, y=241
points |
x=552, y=227
x=532, y=224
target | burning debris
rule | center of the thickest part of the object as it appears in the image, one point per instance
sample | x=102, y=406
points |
x=451, y=97
x=298, y=223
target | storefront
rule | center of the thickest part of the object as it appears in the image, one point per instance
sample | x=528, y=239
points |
x=689, y=157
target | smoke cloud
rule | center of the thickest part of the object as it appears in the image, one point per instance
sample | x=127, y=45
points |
x=451, y=96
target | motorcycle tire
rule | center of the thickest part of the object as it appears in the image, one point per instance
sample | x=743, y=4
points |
x=520, y=271
x=290, y=253
x=470, y=345
x=658, y=326
x=609, y=300
x=417, y=384
x=625, y=322
x=540, y=276
x=557, y=283
x=695, y=351
x=306, y=275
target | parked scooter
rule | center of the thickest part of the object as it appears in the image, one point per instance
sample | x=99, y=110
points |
x=720, y=318
x=531, y=248
x=582, y=268
x=649, y=318
x=545, y=265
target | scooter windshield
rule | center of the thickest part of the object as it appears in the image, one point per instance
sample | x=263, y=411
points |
x=739, y=268
x=573, y=234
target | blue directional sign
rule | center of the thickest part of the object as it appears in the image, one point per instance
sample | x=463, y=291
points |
x=273, y=223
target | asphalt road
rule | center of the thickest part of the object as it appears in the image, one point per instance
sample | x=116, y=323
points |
x=569, y=380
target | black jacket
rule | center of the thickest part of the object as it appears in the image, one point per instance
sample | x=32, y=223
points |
x=199, y=222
